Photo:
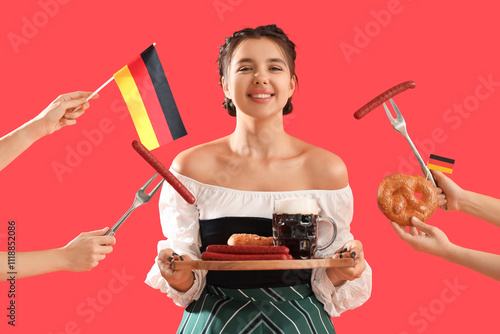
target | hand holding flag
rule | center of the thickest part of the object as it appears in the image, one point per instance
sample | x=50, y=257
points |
x=148, y=97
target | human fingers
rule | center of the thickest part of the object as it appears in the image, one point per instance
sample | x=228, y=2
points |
x=353, y=245
x=341, y=250
x=73, y=115
x=164, y=262
x=400, y=230
x=413, y=230
x=352, y=248
x=165, y=253
x=441, y=200
x=404, y=235
x=165, y=257
x=439, y=176
x=76, y=95
x=359, y=267
x=66, y=122
x=69, y=119
x=421, y=226
x=186, y=257
x=447, y=185
x=99, y=257
x=69, y=104
x=106, y=240
x=95, y=233
x=104, y=249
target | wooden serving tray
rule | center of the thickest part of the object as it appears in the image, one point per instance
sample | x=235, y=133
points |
x=262, y=264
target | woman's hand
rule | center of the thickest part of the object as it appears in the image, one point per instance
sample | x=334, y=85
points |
x=354, y=249
x=58, y=114
x=61, y=112
x=449, y=193
x=424, y=238
x=85, y=251
x=181, y=280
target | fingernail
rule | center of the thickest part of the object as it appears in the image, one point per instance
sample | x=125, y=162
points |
x=180, y=257
x=170, y=259
x=343, y=251
x=340, y=255
x=175, y=254
x=353, y=255
x=413, y=219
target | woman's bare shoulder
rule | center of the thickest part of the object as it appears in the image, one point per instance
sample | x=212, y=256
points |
x=195, y=161
x=328, y=169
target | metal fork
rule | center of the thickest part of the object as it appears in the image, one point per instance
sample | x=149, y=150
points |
x=140, y=198
x=399, y=125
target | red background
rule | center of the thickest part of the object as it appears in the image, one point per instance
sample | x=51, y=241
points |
x=444, y=46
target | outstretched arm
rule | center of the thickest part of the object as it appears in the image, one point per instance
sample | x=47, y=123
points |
x=429, y=239
x=81, y=254
x=481, y=206
x=57, y=115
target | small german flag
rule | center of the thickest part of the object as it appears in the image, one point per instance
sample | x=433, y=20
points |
x=441, y=164
x=146, y=92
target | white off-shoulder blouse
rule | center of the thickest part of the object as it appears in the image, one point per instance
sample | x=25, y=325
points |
x=180, y=225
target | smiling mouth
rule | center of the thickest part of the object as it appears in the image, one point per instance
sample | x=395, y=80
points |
x=260, y=96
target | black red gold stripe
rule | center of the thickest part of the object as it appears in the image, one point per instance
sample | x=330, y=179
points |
x=146, y=92
x=439, y=163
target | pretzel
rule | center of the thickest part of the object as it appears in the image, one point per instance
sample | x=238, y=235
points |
x=396, y=198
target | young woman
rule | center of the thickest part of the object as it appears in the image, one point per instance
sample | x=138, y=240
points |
x=235, y=180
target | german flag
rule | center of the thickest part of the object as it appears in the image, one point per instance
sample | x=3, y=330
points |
x=441, y=164
x=146, y=92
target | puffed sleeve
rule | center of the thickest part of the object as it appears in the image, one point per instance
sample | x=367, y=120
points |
x=339, y=206
x=180, y=225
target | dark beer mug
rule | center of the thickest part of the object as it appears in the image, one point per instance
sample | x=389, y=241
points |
x=295, y=225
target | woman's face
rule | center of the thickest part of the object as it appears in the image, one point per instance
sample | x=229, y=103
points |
x=258, y=78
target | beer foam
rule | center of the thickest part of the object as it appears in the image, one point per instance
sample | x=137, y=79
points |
x=296, y=205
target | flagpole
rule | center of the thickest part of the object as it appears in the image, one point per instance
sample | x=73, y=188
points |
x=97, y=91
